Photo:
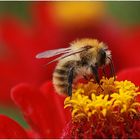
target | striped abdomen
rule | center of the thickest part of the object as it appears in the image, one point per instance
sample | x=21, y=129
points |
x=60, y=77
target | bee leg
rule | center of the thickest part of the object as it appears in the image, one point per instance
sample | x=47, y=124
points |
x=94, y=70
x=104, y=72
x=95, y=73
x=112, y=70
x=70, y=81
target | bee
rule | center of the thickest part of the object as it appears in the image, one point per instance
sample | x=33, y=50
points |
x=82, y=58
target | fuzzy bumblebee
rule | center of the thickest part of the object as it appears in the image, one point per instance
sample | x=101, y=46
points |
x=82, y=58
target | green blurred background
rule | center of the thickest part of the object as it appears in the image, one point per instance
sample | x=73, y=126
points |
x=127, y=13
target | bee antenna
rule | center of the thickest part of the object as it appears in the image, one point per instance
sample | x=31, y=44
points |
x=112, y=69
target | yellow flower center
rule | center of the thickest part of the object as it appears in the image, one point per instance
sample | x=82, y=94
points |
x=110, y=98
x=68, y=12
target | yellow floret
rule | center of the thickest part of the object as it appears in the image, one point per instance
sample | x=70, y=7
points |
x=110, y=97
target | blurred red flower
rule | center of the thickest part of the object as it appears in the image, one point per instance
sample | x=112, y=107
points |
x=22, y=42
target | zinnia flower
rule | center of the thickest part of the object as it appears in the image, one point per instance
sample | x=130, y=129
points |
x=108, y=110
x=42, y=107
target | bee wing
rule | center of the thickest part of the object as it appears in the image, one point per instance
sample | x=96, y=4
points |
x=66, y=55
x=51, y=53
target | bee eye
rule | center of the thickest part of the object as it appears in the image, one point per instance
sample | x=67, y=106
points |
x=102, y=56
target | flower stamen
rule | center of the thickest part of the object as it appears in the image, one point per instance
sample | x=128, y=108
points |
x=116, y=105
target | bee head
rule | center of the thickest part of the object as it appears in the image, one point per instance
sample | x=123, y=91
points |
x=103, y=57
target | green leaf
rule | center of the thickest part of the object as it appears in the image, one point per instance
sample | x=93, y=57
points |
x=125, y=11
x=19, y=9
x=13, y=113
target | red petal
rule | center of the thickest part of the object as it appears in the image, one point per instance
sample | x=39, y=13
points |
x=49, y=92
x=43, y=114
x=132, y=74
x=22, y=50
x=128, y=52
x=32, y=134
x=46, y=32
x=22, y=44
x=11, y=129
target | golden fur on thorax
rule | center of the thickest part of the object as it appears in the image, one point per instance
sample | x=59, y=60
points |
x=80, y=61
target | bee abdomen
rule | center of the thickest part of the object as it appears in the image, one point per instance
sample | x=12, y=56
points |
x=60, y=76
x=60, y=80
